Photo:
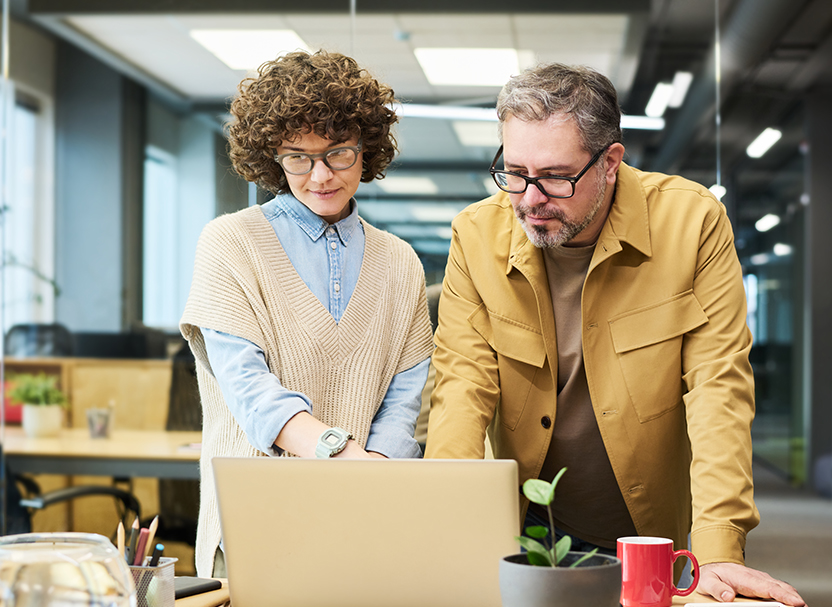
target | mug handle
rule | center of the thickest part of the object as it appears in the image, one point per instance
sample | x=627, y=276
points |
x=694, y=566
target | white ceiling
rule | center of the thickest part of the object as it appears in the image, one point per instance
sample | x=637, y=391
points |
x=160, y=45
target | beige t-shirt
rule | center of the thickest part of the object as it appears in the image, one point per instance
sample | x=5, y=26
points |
x=588, y=503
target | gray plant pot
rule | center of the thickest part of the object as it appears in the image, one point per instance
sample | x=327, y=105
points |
x=594, y=583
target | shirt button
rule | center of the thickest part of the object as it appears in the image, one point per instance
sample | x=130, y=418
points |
x=337, y=287
x=546, y=422
x=332, y=245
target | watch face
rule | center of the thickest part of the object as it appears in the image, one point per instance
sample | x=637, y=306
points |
x=331, y=439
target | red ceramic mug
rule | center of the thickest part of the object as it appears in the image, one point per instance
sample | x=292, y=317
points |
x=647, y=571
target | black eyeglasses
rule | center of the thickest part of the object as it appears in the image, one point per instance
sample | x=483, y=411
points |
x=337, y=159
x=551, y=186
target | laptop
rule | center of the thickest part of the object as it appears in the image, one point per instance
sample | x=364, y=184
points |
x=366, y=533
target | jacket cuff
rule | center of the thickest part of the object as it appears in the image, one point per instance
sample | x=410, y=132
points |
x=718, y=544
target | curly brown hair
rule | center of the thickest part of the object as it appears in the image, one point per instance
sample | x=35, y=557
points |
x=299, y=93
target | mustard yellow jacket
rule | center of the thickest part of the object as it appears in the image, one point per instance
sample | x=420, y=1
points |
x=665, y=348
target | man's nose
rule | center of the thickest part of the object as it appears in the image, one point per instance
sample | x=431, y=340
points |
x=534, y=195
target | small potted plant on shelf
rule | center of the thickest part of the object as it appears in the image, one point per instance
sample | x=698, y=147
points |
x=549, y=573
x=43, y=403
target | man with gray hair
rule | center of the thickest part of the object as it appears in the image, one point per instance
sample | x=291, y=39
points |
x=593, y=316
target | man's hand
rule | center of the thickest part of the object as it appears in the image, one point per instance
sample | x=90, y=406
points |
x=723, y=581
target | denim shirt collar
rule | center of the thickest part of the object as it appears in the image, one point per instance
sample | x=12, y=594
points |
x=312, y=225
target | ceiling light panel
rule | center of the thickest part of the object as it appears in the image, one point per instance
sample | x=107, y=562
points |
x=245, y=49
x=681, y=84
x=763, y=143
x=767, y=222
x=659, y=100
x=468, y=66
x=477, y=134
x=408, y=185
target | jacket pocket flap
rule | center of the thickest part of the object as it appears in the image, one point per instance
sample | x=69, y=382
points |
x=509, y=338
x=657, y=323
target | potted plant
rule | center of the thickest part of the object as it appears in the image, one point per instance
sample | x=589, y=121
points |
x=43, y=403
x=548, y=573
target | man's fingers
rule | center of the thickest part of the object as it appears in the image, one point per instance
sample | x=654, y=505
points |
x=712, y=585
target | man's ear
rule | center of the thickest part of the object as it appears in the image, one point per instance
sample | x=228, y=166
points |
x=615, y=153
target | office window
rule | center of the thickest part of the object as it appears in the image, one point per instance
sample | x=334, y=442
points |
x=29, y=288
x=161, y=308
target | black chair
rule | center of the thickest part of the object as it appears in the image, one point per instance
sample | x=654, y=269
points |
x=23, y=496
x=179, y=499
x=34, y=339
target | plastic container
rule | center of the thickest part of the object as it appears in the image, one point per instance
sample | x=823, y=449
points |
x=52, y=569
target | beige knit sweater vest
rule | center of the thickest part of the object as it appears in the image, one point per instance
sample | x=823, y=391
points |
x=245, y=285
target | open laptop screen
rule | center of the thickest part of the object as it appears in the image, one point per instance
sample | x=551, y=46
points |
x=368, y=533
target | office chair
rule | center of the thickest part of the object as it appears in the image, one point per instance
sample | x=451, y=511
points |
x=37, y=339
x=24, y=495
x=179, y=499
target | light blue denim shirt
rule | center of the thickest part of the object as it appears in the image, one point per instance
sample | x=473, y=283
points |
x=328, y=259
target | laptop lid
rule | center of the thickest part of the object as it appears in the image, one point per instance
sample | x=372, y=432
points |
x=366, y=533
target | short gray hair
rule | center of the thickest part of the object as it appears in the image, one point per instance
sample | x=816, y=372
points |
x=585, y=95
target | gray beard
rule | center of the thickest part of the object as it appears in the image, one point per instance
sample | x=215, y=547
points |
x=542, y=238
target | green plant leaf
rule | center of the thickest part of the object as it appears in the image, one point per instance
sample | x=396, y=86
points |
x=539, y=560
x=562, y=546
x=40, y=389
x=538, y=531
x=537, y=552
x=538, y=491
x=585, y=557
x=554, y=483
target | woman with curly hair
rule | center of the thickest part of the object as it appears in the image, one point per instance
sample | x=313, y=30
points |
x=309, y=326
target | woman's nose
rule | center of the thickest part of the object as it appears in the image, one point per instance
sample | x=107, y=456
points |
x=320, y=172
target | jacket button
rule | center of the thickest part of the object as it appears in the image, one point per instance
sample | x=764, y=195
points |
x=546, y=422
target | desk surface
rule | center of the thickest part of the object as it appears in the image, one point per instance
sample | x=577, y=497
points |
x=215, y=598
x=127, y=453
x=220, y=597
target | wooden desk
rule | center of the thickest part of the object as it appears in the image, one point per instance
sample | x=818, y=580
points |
x=215, y=598
x=127, y=453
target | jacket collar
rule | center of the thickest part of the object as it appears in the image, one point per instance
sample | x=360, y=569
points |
x=628, y=218
x=626, y=222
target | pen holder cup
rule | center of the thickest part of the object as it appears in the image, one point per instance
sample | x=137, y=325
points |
x=154, y=585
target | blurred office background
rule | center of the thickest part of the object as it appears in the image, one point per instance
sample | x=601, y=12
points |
x=115, y=155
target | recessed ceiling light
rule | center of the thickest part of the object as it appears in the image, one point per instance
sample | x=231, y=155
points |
x=763, y=142
x=760, y=259
x=445, y=112
x=408, y=185
x=782, y=249
x=681, y=84
x=659, y=100
x=476, y=134
x=248, y=49
x=645, y=123
x=433, y=213
x=468, y=66
x=459, y=112
x=718, y=190
x=766, y=222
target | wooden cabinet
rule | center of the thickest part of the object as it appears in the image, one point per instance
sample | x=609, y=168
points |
x=139, y=391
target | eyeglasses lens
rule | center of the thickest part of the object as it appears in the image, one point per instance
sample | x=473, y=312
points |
x=515, y=184
x=338, y=159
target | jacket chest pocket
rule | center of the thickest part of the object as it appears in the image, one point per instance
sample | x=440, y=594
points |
x=648, y=344
x=521, y=356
